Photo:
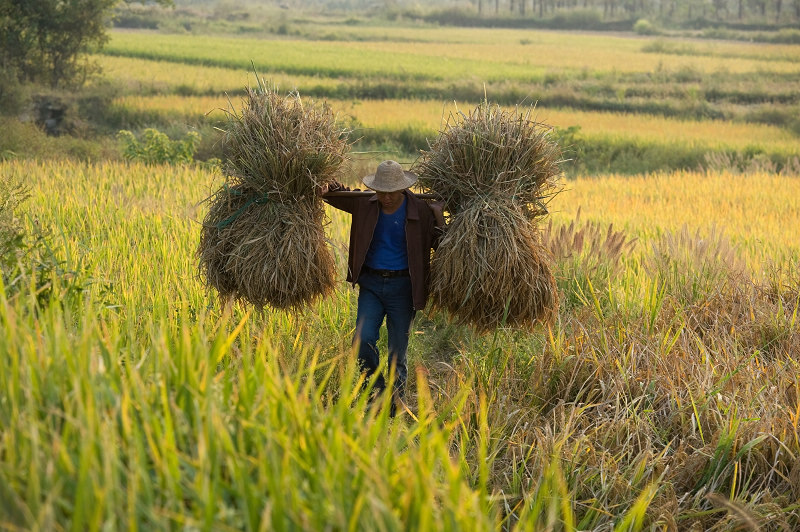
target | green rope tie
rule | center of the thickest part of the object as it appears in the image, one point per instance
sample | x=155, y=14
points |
x=232, y=218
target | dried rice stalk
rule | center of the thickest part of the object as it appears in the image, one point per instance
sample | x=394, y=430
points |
x=263, y=240
x=495, y=170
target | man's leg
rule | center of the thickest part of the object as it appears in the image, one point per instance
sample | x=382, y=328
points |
x=369, y=318
x=399, y=306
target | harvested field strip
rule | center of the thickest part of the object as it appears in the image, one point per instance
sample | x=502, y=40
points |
x=145, y=76
x=149, y=76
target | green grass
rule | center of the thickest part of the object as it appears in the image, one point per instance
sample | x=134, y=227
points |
x=666, y=392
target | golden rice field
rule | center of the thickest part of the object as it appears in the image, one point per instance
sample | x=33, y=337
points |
x=756, y=211
x=431, y=116
x=665, y=396
x=753, y=210
x=144, y=76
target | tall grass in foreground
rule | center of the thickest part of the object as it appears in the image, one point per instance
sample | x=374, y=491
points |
x=665, y=396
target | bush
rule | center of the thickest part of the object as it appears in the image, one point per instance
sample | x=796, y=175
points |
x=156, y=147
x=11, y=233
x=645, y=27
x=28, y=260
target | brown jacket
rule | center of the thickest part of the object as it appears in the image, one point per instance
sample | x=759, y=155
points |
x=422, y=236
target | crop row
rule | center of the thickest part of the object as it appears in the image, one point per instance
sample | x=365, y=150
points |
x=686, y=92
x=447, y=60
x=593, y=141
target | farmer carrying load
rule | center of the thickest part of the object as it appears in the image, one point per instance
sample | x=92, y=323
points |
x=391, y=238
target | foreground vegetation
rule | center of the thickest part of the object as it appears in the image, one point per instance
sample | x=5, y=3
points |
x=666, y=395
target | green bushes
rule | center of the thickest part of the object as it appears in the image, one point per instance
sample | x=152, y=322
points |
x=645, y=27
x=155, y=147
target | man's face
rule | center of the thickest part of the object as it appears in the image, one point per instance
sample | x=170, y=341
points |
x=390, y=201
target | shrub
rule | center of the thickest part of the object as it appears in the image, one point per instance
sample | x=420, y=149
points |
x=11, y=233
x=645, y=27
x=13, y=93
x=156, y=147
x=28, y=259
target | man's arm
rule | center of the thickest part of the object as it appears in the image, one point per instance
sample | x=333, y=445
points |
x=344, y=203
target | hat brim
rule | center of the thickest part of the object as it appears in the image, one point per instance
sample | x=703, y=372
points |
x=409, y=178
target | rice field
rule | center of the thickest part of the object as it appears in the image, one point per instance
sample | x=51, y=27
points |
x=429, y=116
x=641, y=103
x=486, y=61
x=665, y=396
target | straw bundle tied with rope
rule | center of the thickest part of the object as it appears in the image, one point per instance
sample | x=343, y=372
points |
x=495, y=170
x=263, y=239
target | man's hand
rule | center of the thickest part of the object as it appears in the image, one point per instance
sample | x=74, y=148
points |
x=438, y=212
x=331, y=187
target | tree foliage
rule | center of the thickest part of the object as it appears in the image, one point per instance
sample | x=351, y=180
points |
x=45, y=41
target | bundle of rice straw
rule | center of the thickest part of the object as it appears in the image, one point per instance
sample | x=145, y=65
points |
x=263, y=239
x=495, y=170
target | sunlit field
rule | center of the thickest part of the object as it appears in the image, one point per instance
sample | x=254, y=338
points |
x=666, y=391
x=665, y=394
x=144, y=76
x=634, y=104
x=430, y=116
x=429, y=60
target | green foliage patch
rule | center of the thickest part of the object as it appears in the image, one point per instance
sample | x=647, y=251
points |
x=155, y=147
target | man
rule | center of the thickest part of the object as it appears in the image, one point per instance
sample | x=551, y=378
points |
x=391, y=237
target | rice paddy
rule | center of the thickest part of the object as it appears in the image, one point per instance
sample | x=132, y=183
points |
x=546, y=51
x=663, y=394
x=177, y=407
x=428, y=116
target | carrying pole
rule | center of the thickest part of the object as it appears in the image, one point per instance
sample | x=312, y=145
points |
x=365, y=193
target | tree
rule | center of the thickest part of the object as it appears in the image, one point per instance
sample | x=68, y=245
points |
x=46, y=41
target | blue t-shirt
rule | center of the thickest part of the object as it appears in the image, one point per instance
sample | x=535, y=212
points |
x=387, y=251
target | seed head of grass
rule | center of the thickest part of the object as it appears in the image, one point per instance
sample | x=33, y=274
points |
x=492, y=155
x=281, y=145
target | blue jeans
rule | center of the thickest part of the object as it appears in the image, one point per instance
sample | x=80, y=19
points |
x=380, y=297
